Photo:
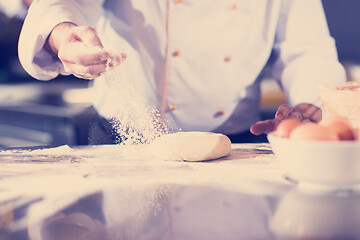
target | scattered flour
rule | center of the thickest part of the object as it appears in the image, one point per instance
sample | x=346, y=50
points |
x=126, y=172
x=136, y=121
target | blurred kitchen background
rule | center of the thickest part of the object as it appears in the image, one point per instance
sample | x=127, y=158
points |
x=56, y=112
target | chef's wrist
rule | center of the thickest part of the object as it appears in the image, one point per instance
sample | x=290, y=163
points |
x=57, y=35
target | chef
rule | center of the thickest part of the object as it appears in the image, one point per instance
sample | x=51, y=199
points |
x=199, y=62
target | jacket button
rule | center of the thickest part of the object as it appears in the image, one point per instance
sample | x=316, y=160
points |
x=172, y=107
x=219, y=113
x=227, y=59
x=176, y=53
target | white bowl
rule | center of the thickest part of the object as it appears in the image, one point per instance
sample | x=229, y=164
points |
x=332, y=163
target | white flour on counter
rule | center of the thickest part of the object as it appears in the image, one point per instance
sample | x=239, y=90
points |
x=116, y=170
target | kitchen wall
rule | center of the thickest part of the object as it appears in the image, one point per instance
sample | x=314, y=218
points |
x=344, y=23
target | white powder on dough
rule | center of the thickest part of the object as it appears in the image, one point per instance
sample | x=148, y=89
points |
x=191, y=146
x=135, y=121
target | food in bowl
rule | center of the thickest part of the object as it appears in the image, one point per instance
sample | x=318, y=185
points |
x=286, y=126
x=334, y=128
x=341, y=125
x=322, y=154
x=312, y=131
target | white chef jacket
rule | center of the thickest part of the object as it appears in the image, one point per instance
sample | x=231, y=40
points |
x=199, y=61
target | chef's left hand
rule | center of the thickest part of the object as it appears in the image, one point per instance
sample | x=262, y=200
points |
x=304, y=112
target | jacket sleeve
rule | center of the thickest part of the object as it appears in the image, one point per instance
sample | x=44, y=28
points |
x=306, y=53
x=42, y=17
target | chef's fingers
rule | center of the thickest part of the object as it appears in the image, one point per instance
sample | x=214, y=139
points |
x=264, y=127
x=309, y=111
x=79, y=53
x=302, y=112
x=305, y=108
x=296, y=115
x=316, y=116
x=86, y=72
x=283, y=111
x=82, y=76
x=82, y=46
x=115, y=58
x=87, y=35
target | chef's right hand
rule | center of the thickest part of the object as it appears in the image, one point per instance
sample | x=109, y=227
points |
x=304, y=112
x=80, y=50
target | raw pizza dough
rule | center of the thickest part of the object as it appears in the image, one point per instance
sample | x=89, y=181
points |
x=191, y=146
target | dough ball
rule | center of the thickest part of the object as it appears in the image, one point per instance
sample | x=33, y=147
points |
x=191, y=146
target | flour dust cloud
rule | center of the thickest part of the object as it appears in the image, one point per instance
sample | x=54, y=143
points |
x=135, y=121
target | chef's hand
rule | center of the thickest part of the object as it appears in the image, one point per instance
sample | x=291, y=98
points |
x=80, y=50
x=304, y=112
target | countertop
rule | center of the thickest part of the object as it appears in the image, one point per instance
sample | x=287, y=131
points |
x=122, y=192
